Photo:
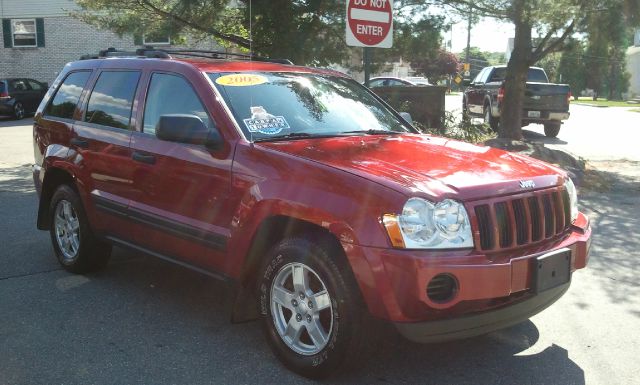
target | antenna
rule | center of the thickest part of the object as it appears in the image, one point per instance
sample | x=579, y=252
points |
x=250, y=59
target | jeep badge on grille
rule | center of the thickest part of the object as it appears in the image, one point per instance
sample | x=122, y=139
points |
x=527, y=184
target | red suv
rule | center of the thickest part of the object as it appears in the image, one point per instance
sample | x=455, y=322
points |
x=320, y=203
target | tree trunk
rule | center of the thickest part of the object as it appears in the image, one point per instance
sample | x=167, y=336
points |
x=516, y=78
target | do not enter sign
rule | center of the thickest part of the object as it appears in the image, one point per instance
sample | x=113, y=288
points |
x=370, y=23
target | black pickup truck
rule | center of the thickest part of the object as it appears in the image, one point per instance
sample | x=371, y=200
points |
x=544, y=102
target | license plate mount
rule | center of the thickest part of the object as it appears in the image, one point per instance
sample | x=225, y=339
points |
x=552, y=270
x=533, y=114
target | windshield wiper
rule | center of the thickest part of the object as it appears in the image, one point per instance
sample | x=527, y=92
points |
x=375, y=132
x=291, y=135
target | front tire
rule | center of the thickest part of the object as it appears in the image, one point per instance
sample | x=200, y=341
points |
x=551, y=130
x=76, y=248
x=311, y=310
x=18, y=111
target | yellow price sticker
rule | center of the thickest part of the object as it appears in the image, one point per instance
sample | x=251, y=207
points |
x=241, y=80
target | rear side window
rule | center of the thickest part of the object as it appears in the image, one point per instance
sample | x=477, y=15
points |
x=66, y=98
x=18, y=85
x=3, y=88
x=35, y=85
x=537, y=75
x=170, y=94
x=112, y=98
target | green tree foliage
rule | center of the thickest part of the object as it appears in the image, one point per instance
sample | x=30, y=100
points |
x=206, y=18
x=310, y=32
x=572, y=67
x=553, y=21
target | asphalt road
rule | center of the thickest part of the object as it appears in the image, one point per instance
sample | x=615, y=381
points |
x=144, y=321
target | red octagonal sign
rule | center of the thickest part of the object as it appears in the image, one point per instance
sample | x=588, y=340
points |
x=370, y=23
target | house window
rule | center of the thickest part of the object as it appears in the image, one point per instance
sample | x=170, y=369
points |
x=156, y=39
x=23, y=33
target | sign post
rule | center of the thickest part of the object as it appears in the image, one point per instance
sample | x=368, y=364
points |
x=369, y=25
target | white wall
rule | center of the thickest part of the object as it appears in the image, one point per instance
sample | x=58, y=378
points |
x=35, y=8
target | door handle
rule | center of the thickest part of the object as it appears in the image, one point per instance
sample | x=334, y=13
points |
x=143, y=158
x=79, y=142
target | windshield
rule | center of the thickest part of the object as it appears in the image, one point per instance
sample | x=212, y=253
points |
x=269, y=106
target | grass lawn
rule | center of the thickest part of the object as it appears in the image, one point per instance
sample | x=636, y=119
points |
x=602, y=102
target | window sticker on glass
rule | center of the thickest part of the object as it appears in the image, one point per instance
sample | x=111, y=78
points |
x=263, y=122
x=241, y=80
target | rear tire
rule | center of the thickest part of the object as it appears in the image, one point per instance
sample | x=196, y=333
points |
x=313, y=316
x=18, y=111
x=494, y=123
x=551, y=130
x=76, y=248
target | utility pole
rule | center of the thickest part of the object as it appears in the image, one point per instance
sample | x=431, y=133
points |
x=466, y=55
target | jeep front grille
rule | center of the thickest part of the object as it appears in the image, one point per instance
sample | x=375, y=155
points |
x=520, y=220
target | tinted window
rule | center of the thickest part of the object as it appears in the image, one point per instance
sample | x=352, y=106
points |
x=2, y=87
x=498, y=74
x=18, y=85
x=66, y=98
x=537, y=75
x=478, y=78
x=111, y=99
x=35, y=85
x=170, y=94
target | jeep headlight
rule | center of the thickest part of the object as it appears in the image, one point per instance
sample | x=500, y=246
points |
x=427, y=225
x=573, y=198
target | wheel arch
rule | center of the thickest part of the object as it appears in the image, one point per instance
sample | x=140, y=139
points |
x=270, y=231
x=53, y=178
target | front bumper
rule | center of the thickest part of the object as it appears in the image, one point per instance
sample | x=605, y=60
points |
x=493, y=290
x=482, y=323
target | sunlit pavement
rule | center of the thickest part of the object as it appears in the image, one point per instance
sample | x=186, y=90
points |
x=143, y=321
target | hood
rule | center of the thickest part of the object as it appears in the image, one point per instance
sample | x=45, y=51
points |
x=421, y=164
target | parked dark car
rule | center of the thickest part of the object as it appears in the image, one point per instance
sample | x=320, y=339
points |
x=20, y=96
x=388, y=81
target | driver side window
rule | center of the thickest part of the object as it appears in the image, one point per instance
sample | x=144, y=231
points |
x=169, y=95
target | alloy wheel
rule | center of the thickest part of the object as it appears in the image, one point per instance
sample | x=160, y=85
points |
x=67, y=230
x=301, y=309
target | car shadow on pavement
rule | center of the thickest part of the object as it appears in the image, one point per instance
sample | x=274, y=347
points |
x=535, y=137
x=489, y=359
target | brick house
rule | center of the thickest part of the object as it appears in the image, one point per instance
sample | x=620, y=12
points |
x=40, y=37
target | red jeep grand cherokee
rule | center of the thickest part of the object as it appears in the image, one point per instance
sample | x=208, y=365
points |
x=299, y=185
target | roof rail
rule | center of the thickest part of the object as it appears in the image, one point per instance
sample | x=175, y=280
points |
x=141, y=52
x=151, y=52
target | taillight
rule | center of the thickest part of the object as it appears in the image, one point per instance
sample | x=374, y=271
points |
x=4, y=95
x=569, y=97
x=500, y=94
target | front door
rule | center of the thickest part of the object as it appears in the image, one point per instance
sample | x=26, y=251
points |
x=181, y=189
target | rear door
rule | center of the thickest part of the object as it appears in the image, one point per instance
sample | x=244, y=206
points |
x=181, y=202
x=101, y=139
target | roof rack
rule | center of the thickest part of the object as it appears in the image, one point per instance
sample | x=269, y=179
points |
x=151, y=52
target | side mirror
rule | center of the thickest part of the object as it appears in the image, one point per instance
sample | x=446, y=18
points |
x=184, y=128
x=466, y=82
x=407, y=116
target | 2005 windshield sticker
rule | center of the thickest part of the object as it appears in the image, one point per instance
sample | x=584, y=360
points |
x=241, y=80
x=263, y=122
